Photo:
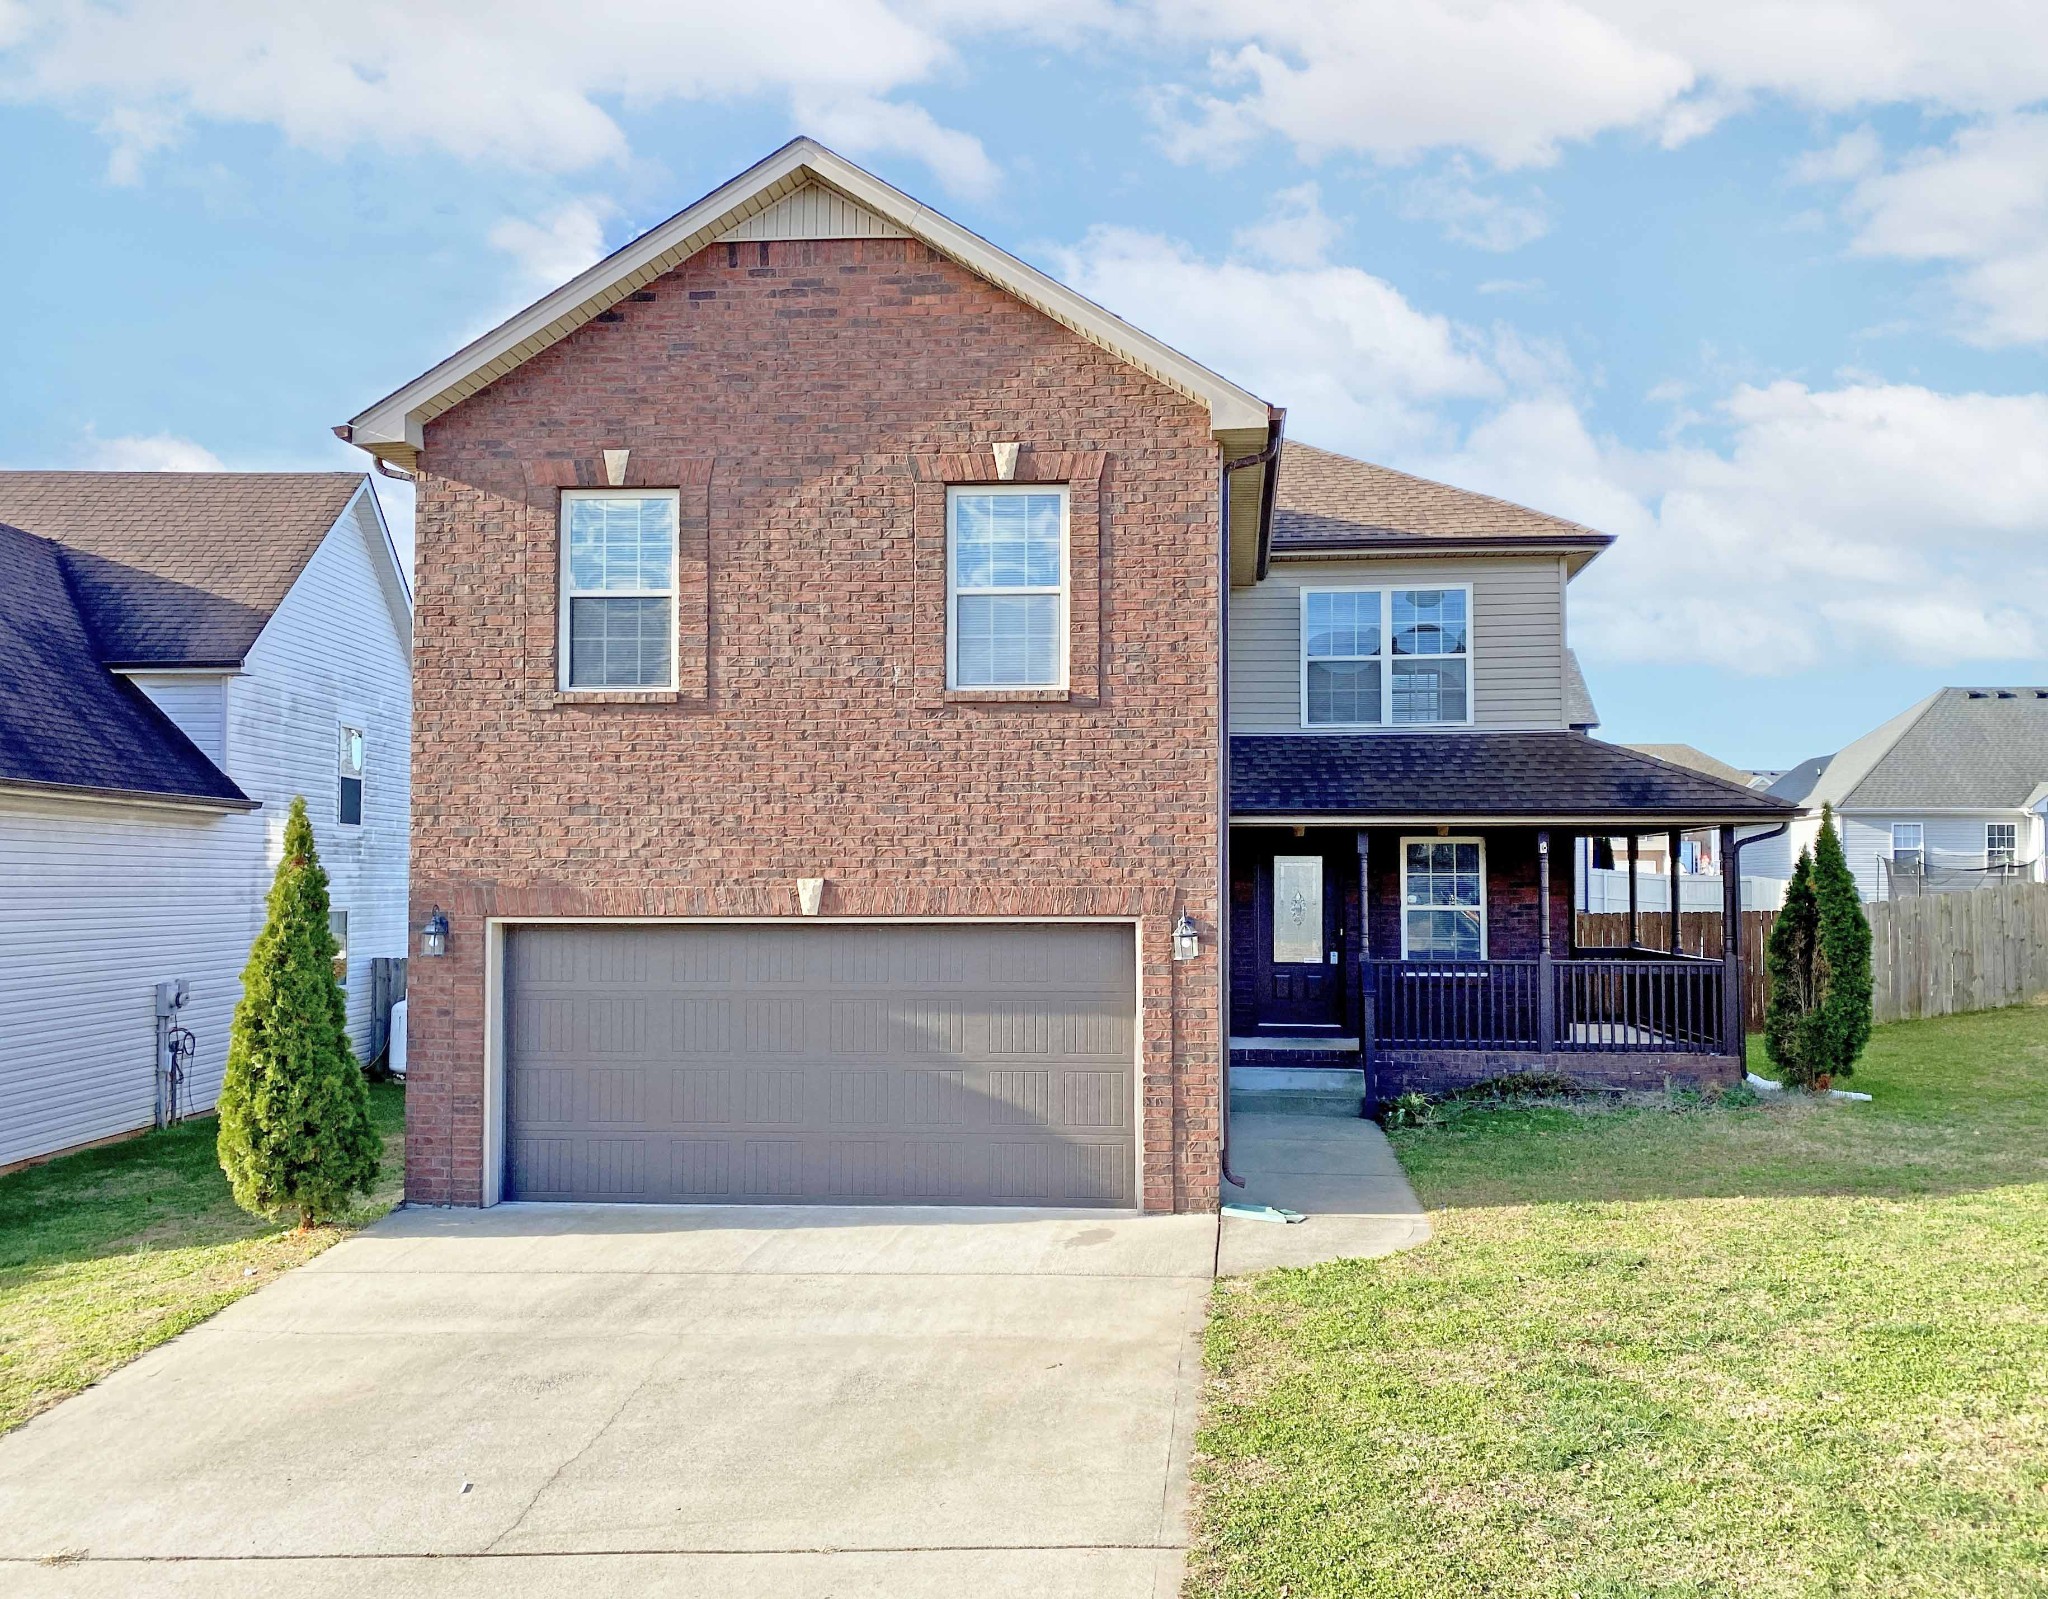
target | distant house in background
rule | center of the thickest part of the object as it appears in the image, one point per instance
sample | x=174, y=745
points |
x=1949, y=795
x=180, y=655
x=1604, y=869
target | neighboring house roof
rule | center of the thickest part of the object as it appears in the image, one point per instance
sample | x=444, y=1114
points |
x=66, y=723
x=1958, y=749
x=178, y=568
x=1328, y=503
x=393, y=428
x=1448, y=777
x=1580, y=713
x=1796, y=784
x=1696, y=760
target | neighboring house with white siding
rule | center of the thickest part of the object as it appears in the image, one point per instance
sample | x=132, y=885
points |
x=1948, y=795
x=180, y=655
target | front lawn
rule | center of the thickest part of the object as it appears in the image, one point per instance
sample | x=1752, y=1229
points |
x=1800, y=1348
x=109, y=1252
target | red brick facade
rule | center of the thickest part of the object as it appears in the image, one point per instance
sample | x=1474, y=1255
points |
x=811, y=400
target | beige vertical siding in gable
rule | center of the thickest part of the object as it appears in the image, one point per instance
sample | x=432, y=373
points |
x=1517, y=636
x=814, y=212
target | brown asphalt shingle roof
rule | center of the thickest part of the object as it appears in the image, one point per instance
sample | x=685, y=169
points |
x=1326, y=500
x=178, y=568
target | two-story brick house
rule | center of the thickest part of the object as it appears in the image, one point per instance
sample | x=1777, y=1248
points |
x=820, y=754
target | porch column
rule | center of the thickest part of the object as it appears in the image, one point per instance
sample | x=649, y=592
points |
x=1361, y=997
x=1671, y=876
x=1634, y=936
x=1731, y=948
x=1546, y=971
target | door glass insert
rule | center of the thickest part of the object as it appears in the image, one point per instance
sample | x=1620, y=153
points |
x=1297, y=910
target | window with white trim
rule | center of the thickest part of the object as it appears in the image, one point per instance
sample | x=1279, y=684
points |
x=2001, y=845
x=1443, y=899
x=1006, y=587
x=348, y=783
x=1909, y=849
x=618, y=626
x=1386, y=657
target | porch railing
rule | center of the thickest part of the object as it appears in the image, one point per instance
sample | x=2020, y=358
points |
x=1599, y=1005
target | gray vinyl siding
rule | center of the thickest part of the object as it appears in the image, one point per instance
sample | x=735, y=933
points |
x=106, y=900
x=197, y=702
x=1950, y=841
x=1518, y=636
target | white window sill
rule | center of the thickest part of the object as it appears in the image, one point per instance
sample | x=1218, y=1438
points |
x=1007, y=696
x=617, y=696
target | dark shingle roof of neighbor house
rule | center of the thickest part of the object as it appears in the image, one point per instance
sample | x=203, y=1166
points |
x=66, y=723
x=1958, y=749
x=1579, y=710
x=1329, y=501
x=178, y=568
x=1448, y=776
x=1695, y=760
x=1796, y=784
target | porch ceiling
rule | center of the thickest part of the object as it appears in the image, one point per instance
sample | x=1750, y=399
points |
x=1427, y=777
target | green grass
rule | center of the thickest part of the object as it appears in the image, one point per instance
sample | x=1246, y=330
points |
x=109, y=1252
x=1800, y=1348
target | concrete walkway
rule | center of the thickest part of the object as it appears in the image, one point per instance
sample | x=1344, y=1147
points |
x=694, y=1402
x=691, y=1402
x=1338, y=1170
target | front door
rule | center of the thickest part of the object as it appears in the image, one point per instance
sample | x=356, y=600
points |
x=1299, y=953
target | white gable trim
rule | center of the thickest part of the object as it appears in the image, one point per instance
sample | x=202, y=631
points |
x=394, y=428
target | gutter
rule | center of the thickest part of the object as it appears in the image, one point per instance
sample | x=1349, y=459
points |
x=1269, y=456
x=128, y=796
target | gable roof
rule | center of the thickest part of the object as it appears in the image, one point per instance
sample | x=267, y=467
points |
x=178, y=568
x=393, y=428
x=1695, y=760
x=1332, y=504
x=66, y=723
x=1957, y=749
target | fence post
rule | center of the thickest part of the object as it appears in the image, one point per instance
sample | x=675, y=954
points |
x=1731, y=949
x=1546, y=971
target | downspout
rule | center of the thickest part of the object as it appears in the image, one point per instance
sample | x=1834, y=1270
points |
x=1266, y=456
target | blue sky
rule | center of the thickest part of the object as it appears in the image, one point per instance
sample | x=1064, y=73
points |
x=1762, y=289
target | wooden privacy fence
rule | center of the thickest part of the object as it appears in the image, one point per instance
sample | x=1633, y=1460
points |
x=1931, y=955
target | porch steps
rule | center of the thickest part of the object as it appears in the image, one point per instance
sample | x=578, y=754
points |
x=1297, y=1090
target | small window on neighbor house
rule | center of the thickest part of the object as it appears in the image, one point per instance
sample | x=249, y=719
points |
x=618, y=624
x=2001, y=845
x=348, y=798
x=1909, y=849
x=337, y=924
x=1443, y=899
x=1377, y=658
x=1006, y=582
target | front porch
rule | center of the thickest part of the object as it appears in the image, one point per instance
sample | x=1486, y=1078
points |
x=1408, y=950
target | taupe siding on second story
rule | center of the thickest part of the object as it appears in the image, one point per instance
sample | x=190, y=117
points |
x=1518, y=635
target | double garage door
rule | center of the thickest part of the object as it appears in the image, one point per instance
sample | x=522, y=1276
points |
x=822, y=1064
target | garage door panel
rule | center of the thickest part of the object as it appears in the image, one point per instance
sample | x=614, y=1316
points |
x=981, y=1064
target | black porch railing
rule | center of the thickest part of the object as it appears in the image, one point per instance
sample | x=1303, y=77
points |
x=1599, y=1005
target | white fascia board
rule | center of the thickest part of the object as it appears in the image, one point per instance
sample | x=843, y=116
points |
x=396, y=424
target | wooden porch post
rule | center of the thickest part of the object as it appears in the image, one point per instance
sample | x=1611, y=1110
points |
x=1362, y=1001
x=1546, y=971
x=1671, y=876
x=1634, y=935
x=1731, y=948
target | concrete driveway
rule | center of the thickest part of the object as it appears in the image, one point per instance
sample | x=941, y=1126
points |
x=629, y=1401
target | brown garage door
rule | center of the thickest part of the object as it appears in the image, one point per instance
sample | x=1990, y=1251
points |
x=939, y=1064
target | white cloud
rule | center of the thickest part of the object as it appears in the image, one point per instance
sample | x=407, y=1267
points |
x=553, y=249
x=1293, y=232
x=1469, y=214
x=1332, y=342
x=1980, y=205
x=1856, y=154
x=862, y=125
x=512, y=81
x=155, y=452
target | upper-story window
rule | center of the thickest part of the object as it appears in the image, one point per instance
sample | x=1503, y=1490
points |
x=348, y=791
x=2001, y=845
x=618, y=588
x=1386, y=657
x=1909, y=848
x=1006, y=587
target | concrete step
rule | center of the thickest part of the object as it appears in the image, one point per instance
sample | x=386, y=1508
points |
x=1299, y=1102
x=1296, y=1090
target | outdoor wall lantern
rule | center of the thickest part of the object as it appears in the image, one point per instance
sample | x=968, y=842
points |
x=1187, y=938
x=434, y=935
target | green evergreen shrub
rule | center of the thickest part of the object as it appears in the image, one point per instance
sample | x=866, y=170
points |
x=295, y=1133
x=1838, y=1025
x=1788, y=958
